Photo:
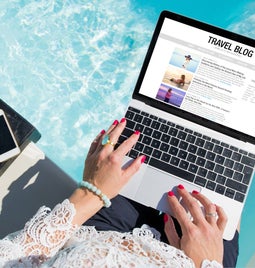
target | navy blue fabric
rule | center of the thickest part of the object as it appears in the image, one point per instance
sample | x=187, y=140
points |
x=124, y=215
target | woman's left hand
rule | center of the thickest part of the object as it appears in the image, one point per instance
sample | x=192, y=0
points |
x=104, y=164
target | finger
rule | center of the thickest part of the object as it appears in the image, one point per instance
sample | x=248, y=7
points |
x=191, y=205
x=127, y=145
x=131, y=169
x=222, y=218
x=170, y=231
x=179, y=212
x=113, y=134
x=95, y=142
x=209, y=207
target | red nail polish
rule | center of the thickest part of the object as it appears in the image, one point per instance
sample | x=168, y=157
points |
x=143, y=159
x=123, y=120
x=180, y=186
x=170, y=193
x=102, y=131
x=115, y=122
x=165, y=218
x=137, y=132
x=195, y=192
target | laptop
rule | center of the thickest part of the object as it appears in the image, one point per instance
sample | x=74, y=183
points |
x=193, y=104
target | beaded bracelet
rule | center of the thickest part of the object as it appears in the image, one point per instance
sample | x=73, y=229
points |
x=96, y=191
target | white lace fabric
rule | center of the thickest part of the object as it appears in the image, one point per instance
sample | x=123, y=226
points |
x=50, y=240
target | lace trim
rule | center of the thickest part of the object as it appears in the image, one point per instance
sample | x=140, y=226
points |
x=44, y=236
x=47, y=231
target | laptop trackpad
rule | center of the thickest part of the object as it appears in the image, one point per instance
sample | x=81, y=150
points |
x=155, y=186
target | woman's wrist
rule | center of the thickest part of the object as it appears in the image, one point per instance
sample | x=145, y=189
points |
x=86, y=204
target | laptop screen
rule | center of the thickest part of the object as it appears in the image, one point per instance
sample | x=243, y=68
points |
x=201, y=72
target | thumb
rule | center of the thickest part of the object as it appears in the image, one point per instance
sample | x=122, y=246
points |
x=170, y=231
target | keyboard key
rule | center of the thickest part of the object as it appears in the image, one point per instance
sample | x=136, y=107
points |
x=146, y=121
x=181, y=135
x=211, y=185
x=202, y=172
x=182, y=154
x=220, y=179
x=183, y=145
x=138, y=118
x=173, y=131
x=175, y=161
x=200, y=142
x=156, y=134
x=219, y=159
x=191, y=158
x=147, y=150
x=164, y=147
x=236, y=156
x=220, y=189
x=236, y=186
x=228, y=172
x=192, y=148
x=190, y=138
x=173, y=150
x=209, y=165
x=227, y=152
x=239, y=197
x=230, y=193
x=172, y=169
x=174, y=141
x=219, y=169
x=184, y=164
x=155, y=124
x=156, y=153
x=229, y=163
x=200, y=161
x=164, y=128
x=193, y=168
x=238, y=167
x=208, y=145
x=147, y=131
x=155, y=143
x=210, y=156
x=165, y=138
x=147, y=140
x=218, y=149
x=165, y=157
x=200, y=181
x=211, y=175
x=238, y=176
x=248, y=161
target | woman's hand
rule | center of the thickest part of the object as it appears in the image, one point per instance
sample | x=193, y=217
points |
x=103, y=166
x=104, y=169
x=202, y=236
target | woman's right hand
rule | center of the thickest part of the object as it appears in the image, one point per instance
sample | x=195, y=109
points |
x=202, y=237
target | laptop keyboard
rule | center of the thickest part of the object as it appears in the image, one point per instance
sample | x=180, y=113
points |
x=190, y=155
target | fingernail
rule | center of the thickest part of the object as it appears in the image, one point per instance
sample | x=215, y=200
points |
x=137, y=132
x=165, y=218
x=115, y=122
x=143, y=159
x=195, y=192
x=123, y=120
x=170, y=193
x=102, y=131
x=180, y=186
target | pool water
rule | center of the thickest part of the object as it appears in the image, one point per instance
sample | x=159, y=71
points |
x=69, y=67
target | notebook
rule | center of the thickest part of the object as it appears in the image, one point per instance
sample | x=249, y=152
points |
x=193, y=104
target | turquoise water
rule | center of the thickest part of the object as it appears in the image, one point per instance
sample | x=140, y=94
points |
x=70, y=66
